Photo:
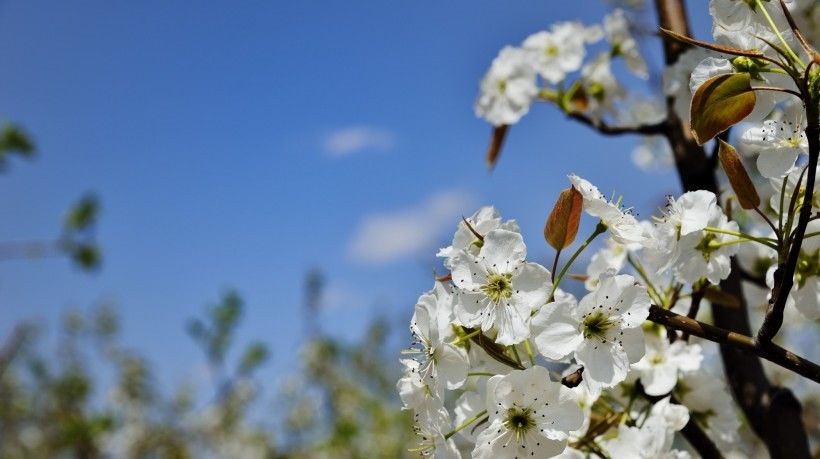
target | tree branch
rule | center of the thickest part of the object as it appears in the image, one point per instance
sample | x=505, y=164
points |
x=770, y=352
x=773, y=413
x=606, y=129
x=784, y=275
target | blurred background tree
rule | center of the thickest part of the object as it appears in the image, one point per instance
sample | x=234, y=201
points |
x=64, y=404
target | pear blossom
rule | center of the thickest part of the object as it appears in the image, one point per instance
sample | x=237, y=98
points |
x=431, y=434
x=610, y=258
x=529, y=416
x=653, y=152
x=779, y=143
x=710, y=405
x=663, y=362
x=740, y=24
x=652, y=440
x=622, y=226
x=482, y=221
x=603, y=331
x=468, y=405
x=805, y=295
x=600, y=86
x=508, y=88
x=442, y=365
x=676, y=80
x=793, y=183
x=560, y=51
x=682, y=244
x=498, y=287
x=617, y=31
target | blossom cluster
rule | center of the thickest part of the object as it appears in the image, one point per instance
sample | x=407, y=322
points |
x=491, y=338
x=512, y=360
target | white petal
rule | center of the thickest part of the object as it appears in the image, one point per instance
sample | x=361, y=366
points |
x=451, y=366
x=531, y=284
x=560, y=333
x=502, y=251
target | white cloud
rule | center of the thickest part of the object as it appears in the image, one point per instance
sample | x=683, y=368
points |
x=354, y=139
x=390, y=236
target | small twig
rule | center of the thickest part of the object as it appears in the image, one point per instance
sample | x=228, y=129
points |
x=802, y=39
x=749, y=277
x=773, y=88
x=694, y=307
x=771, y=225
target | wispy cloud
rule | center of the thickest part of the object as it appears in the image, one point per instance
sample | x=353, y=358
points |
x=390, y=236
x=354, y=139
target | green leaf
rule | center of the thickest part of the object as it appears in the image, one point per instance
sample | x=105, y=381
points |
x=83, y=214
x=719, y=103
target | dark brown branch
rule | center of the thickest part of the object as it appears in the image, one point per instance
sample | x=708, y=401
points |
x=749, y=277
x=694, y=307
x=606, y=129
x=797, y=33
x=784, y=275
x=770, y=352
x=696, y=437
x=773, y=412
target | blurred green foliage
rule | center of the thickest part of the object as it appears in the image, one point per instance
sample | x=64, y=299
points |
x=339, y=404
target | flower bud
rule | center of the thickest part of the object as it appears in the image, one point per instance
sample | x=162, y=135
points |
x=738, y=177
x=562, y=224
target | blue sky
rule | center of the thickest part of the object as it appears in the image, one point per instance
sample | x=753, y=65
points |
x=239, y=144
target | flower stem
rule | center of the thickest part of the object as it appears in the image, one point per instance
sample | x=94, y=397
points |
x=763, y=240
x=530, y=353
x=480, y=373
x=466, y=337
x=465, y=424
x=774, y=28
x=599, y=229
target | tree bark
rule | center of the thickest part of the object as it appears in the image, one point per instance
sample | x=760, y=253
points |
x=773, y=412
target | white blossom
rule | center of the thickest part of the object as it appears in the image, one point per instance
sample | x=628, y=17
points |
x=560, y=51
x=624, y=44
x=482, y=221
x=603, y=331
x=600, y=86
x=741, y=25
x=622, y=226
x=508, y=88
x=529, y=416
x=676, y=80
x=498, y=287
x=663, y=362
x=778, y=144
x=710, y=405
x=441, y=364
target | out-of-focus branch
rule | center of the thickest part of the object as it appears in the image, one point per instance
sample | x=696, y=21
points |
x=12, y=347
x=606, y=129
x=29, y=249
